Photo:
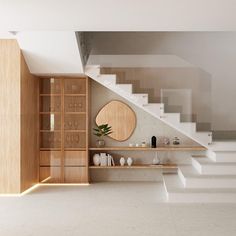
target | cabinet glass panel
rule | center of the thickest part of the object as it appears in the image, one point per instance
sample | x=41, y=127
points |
x=75, y=104
x=75, y=122
x=50, y=104
x=50, y=140
x=50, y=158
x=76, y=174
x=50, y=122
x=50, y=86
x=50, y=174
x=75, y=86
x=75, y=140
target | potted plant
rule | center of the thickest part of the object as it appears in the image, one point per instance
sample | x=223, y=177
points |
x=102, y=131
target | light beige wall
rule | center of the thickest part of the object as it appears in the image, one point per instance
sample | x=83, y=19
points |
x=147, y=126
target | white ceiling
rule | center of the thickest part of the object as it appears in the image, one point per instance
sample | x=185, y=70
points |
x=118, y=15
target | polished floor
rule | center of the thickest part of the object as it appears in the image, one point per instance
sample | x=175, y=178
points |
x=111, y=209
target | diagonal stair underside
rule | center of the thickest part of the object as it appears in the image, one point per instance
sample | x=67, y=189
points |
x=155, y=109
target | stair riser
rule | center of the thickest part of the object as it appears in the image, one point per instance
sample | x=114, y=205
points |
x=124, y=88
x=222, y=156
x=218, y=170
x=210, y=183
x=201, y=198
x=141, y=100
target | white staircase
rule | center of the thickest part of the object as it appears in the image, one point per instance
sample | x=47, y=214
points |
x=155, y=109
x=208, y=179
x=211, y=178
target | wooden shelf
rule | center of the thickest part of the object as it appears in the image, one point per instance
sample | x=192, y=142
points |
x=75, y=130
x=49, y=95
x=49, y=112
x=74, y=95
x=53, y=131
x=75, y=149
x=169, y=166
x=74, y=113
x=50, y=149
x=160, y=148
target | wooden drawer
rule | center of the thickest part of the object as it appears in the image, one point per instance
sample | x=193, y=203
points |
x=76, y=175
x=50, y=158
x=50, y=174
x=75, y=158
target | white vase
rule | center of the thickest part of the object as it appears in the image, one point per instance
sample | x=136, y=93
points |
x=129, y=161
x=103, y=157
x=122, y=161
x=96, y=159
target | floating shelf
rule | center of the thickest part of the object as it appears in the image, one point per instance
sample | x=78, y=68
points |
x=160, y=148
x=49, y=95
x=169, y=166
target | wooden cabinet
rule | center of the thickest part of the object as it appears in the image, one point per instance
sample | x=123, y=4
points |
x=64, y=130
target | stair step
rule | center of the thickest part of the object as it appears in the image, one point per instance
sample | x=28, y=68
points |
x=107, y=79
x=173, y=118
x=92, y=70
x=223, y=156
x=155, y=109
x=192, y=179
x=177, y=193
x=224, y=146
x=125, y=88
x=205, y=166
x=140, y=98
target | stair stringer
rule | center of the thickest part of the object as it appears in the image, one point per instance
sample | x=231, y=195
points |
x=154, y=109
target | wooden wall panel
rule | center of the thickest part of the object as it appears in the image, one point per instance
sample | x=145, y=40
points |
x=29, y=128
x=18, y=121
x=9, y=116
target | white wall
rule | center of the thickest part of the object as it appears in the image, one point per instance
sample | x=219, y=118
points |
x=213, y=52
x=50, y=52
x=114, y=15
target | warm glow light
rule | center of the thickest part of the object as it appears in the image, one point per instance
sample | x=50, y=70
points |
x=38, y=185
x=59, y=184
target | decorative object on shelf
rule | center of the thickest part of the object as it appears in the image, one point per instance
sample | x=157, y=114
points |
x=176, y=141
x=136, y=145
x=122, y=161
x=131, y=145
x=120, y=116
x=110, y=160
x=96, y=159
x=156, y=160
x=102, y=131
x=103, y=157
x=144, y=144
x=154, y=142
x=129, y=161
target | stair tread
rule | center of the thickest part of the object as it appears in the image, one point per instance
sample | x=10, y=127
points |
x=174, y=185
x=207, y=161
x=189, y=171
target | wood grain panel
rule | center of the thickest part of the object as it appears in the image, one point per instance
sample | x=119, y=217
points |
x=29, y=128
x=76, y=174
x=120, y=117
x=50, y=158
x=75, y=158
x=50, y=174
x=9, y=116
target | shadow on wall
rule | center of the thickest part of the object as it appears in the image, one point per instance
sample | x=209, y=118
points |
x=153, y=80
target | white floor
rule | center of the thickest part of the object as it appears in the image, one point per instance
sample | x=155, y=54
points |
x=110, y=209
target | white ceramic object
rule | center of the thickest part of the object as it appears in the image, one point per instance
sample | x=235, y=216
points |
x=131, y=145
x=96, y=159
x=156, y=161
x=122, y=161
x=137, y=145
x=103, y=157
x=129, y=161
